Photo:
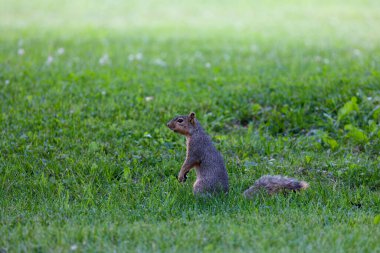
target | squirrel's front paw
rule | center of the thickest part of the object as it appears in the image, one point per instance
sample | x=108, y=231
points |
x=182, y=178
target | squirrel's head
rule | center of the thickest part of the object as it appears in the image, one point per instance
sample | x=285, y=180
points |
x=183, y=124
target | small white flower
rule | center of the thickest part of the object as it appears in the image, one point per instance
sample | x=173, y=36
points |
x=178, y=62
x=60, y=51
x=21, y=51
x=357, y=52
x=255, y=48
x=7, y=82
x=131, y=57
x=139, y=56
x=74, y=247
x=104, y=59
x=103, y=93
x=135, y=57
x=207, y=65
x=49, y=60
x=198, y=54
x=149, y=98
x=160, y=62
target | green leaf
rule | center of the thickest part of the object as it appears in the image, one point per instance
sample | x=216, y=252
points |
x=326, y=139
x=93, y=147
x=349, y=107
x=376, y=113
x=94, y=167
x=256, y=108
x=331, y=142
x=308, y=159
x=127, y=173
x=356, y=134
x=376, y=220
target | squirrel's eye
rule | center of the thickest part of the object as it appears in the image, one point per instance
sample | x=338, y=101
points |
x=180, y=120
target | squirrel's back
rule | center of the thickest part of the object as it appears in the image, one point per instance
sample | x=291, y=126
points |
x=273, y=184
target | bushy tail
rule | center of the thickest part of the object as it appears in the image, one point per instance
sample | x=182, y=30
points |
x=274, y=184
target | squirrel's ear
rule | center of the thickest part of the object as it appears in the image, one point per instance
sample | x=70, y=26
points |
x=192, y=117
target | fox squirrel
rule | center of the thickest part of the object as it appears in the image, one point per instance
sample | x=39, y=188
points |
x=211, y=172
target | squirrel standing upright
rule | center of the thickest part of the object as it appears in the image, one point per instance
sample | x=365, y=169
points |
x=211, y=172
x=208, y=162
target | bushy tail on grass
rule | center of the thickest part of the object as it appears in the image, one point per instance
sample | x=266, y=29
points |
x=274, y=184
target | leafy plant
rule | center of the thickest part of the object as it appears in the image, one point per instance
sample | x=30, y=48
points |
x=348, y=108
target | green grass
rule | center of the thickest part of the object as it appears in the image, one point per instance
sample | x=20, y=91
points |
x=88, y=165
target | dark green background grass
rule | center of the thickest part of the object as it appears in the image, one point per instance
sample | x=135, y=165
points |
x=87, y=163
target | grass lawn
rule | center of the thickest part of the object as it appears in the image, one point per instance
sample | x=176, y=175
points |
x=87, y=163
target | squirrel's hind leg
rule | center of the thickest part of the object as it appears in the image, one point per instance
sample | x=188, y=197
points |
x=198, y=187
x=202, y=188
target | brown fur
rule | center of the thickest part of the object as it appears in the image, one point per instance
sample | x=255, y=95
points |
x=275, y=184
x=201, y=154
x=209, y=165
